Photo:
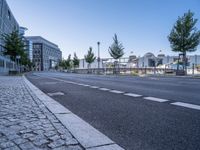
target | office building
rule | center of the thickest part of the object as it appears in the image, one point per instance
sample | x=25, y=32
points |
x=7, y=25
x=46, y=55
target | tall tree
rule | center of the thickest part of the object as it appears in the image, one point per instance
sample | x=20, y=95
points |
x=116, y=50
x=75, y=61
x=89, y=58
x=184, y=36
x=14, y=45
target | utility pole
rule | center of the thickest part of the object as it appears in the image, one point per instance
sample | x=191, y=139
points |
x=98, y=59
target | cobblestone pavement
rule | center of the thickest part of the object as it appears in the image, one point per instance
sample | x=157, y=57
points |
x=25, y=123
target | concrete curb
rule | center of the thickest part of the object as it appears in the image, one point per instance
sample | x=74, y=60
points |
x=89, y=137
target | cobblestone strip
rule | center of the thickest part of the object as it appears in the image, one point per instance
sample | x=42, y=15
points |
x=25, y=122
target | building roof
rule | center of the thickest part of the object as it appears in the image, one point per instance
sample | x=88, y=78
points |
x=40, y=39
x=150, y=55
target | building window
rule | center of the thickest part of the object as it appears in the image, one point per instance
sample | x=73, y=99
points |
x=9, y=15
x=1, y=63
x=36, y=46
x=160, y=62
x=151, y=63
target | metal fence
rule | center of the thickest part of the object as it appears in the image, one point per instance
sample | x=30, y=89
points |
x=6, y=65
x=135, y=71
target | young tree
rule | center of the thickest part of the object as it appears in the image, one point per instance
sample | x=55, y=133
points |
x=184, y=36
x=62, y=64
x=24, y=59
x=89, y=58
x=14, y=45
x=116, y=50
x=68, y=62
x=75, y=61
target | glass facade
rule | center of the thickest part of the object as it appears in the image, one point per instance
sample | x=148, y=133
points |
x=7, y=25
x=46, y=55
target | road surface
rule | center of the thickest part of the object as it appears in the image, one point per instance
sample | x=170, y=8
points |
x=138, y=113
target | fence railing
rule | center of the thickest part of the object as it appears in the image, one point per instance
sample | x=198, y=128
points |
x=126, y=71
x=6, y=65
x=135, y=71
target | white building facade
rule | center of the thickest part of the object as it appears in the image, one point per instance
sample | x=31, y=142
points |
x=150, y=60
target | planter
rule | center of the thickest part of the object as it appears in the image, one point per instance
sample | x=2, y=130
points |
x=13, y=72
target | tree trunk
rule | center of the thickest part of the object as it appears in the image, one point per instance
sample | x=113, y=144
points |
x=185, y=62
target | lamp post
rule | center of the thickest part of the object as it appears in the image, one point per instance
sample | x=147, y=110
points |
x=18, y=63
x=98, y=59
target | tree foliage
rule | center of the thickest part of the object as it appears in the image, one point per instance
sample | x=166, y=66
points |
x=116, y=50
x=62, y=64
x=89, y=58
x=68, y=62
x=184, y=36
x=76, y=61
x=14, y=45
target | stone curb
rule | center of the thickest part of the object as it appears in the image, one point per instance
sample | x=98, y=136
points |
x=89, y=137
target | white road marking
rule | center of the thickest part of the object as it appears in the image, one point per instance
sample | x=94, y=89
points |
x=132, y=95
x=56, y=94
x=94, y=87
x=86, y=135
x=156, y=99
x=72, y=82
x=104, y=89
x=80, y=84
x=154, y=78
x=85, y=85
x=49, y=83
x=187, y=105
x=115, y=91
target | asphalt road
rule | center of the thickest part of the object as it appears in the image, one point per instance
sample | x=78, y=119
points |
x=135, y=123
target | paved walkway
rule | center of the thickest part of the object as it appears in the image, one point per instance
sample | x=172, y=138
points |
x=25, y=122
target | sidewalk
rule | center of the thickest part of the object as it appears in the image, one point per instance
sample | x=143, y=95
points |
x=29, y=119
x=25, y=123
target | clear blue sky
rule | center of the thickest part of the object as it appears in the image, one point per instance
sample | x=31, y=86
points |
x=141, y=25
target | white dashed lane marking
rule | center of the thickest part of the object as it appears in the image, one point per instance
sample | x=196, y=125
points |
x=156, y=99
x=80, y=84
x=55, y=94
x=104, y=89
x=94, y=87
x=187, y=105
x=115, y=91
x=132, y=95
x=85, y=85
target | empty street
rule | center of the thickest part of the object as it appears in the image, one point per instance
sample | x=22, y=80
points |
x=138, y=113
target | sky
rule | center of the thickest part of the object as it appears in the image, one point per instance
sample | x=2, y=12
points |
x=74, y=25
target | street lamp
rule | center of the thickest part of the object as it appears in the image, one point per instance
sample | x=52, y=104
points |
x=18, y=57
x=98, y=59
